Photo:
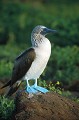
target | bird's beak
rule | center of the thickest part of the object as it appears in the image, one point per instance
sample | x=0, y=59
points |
x=50, y=31
x=47, y=30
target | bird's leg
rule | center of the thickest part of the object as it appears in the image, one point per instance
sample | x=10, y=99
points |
x=35, y=83
x=38, y=88
x=30, y=89
x=27, y=83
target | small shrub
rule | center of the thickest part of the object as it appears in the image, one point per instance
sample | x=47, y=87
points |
x=5, y=69
x=63, y=65
x=69, y=95
x=53, y=87
x=18, y=18
x=6, y=107
x=50, y=86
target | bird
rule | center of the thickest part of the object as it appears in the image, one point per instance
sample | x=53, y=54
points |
x=30, y=64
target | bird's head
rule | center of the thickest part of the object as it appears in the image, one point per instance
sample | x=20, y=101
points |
x=42, y=30
x=38, y=34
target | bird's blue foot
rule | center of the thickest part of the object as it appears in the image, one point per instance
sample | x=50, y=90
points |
x=30, y=89
x=39, y=89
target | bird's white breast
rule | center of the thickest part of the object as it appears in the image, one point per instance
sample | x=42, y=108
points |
x=43, y=52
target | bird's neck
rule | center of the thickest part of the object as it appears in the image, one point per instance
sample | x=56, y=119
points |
x=37, y=40
x=41, y=45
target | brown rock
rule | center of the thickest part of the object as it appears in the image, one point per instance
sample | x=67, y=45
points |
x=49, y=106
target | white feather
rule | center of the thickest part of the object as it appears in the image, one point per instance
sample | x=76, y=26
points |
x=43, y=52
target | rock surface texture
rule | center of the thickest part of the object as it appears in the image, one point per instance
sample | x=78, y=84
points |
x=49, y=106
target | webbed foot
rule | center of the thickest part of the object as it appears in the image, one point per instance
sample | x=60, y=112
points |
x=39, y=89
x=30, y=89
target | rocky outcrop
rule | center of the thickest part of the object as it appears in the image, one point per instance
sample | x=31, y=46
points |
x=49, y=106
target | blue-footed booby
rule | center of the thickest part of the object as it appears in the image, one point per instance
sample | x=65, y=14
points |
x=31, y=63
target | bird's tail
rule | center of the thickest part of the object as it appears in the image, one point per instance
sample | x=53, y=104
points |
x=13, y=89
x=7, y=84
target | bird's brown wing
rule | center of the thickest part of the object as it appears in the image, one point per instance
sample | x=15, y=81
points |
x=22, y=65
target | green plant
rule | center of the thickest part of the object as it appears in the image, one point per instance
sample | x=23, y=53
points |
x=5, y=68
x=68, y=94
x=57, y=89
x=7, y=107
x=63, y=65
x=18, y=19
x=50, y=86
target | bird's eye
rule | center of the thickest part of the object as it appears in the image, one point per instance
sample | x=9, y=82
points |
x=45, y=30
